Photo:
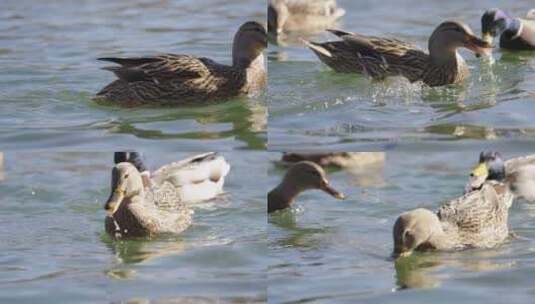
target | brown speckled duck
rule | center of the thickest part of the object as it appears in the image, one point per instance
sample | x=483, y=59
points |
x=337, y=159
x=476, y=220
x=137, y=208
x=300, y=177
x=302, y=15
x=515, y=33
x=382, y=57
x=183, y=79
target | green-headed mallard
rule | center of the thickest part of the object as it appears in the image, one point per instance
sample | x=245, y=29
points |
x=183, y=79
x=337, y=159
x=302, y=15
x=518, y=173
x=300, y=177
x=136, y=209
x=382, y=57
x=476, y=220
x=515, y=33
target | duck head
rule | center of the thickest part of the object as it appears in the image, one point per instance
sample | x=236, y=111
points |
x=449, y=36
x=491, y=166
x=415, y=230
x=493, y=23
x=126, y=182
x=249, y=43
x=307, y=175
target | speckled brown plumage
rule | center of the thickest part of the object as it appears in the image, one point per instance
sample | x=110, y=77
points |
x=184, y=79
x=383, y=57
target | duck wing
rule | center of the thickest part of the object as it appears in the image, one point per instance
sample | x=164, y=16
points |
x=197, y=178
x=393, y=56
x=480, y=216
x=159, y=68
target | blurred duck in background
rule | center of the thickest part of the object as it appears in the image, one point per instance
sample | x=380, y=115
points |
x=514, y=33
x=303, y=16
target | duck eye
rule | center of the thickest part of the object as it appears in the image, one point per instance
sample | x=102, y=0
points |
x=126, y=176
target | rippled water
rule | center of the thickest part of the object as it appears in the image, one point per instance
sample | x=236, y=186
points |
x=54, y=248
x=48, y=52
x=314, y=108
x=327, y=251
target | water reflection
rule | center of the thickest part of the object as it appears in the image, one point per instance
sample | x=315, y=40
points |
x=242, y=119
x=422, y=270
x=141, y=250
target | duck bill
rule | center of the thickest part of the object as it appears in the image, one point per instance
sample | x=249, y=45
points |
x=478, y=46
x=331, y=191
x=114, y=201
x=478, y=176
x=488, y=38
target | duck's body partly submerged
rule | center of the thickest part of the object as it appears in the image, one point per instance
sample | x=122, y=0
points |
x=171, y=79
x=135, y=210
x=302, y=15
x=383, y=57
x=476, y=220
x=337, y=159
x=302, y=176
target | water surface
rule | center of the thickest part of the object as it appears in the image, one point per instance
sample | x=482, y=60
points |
x=54, y=248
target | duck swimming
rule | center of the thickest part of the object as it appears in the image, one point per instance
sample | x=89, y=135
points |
x=171, y=79
x=382, y=57
x=337, y=159
x=300, y=177
x=302, y=15
x=478, y=219
x=136, y=210
x=515, y=33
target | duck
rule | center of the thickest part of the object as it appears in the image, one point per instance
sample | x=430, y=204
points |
x=337, y=159
x=135, y=210
x=515, y=33
x=379, y=57
x=302, y=176
x=171, y=79
x=286, y=16
x=478, y=219
x=518, y=173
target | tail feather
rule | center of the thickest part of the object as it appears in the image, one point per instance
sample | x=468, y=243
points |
x=316, y=47
x=339, y=33
x=129, y=61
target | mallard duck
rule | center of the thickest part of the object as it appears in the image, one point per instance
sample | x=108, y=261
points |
x=476, y=220
x=183, y=79
x=301, y=15
x=381, y=57
x=337, y=159
x=518, y=173
x=300, y=177
x=515, y=33
x=136, y=210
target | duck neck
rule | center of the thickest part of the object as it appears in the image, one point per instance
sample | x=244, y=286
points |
x=282, y=196
x=444, y=237
x=443, y=56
